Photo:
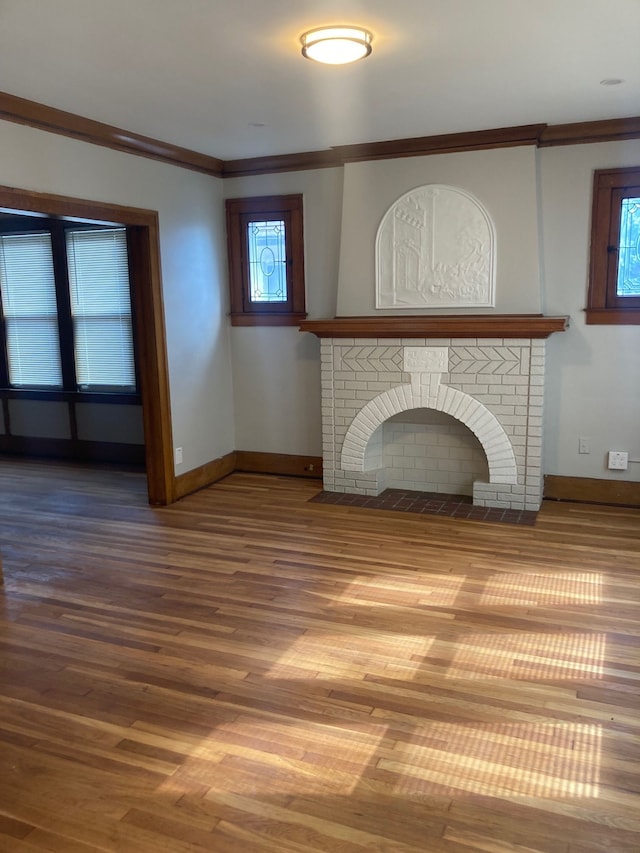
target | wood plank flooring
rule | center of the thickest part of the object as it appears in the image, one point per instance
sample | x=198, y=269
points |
x=248, y=671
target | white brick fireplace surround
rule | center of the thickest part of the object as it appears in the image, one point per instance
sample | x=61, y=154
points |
x=449, y=404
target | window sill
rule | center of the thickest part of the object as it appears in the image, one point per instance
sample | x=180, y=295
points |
x=270, y=319
x=613, y=316
x=107, y=397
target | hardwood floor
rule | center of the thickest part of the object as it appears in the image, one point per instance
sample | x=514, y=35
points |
x=248, y=671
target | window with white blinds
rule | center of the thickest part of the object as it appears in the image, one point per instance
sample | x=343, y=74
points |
x=66, y=308
x=27, y=285
x=101, y=309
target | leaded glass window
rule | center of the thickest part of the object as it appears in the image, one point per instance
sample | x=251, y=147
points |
x=629, y=248
x=265, y=240
x=267, y=261
x=614, y=267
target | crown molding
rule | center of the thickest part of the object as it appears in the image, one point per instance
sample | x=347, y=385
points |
x=23, y=111
x=33, y=114
x=582, y=132
x=275, y=163
x=540, y=135
x=476, y=140
x=390, y=149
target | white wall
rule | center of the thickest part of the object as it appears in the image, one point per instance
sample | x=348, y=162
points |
x=276, y=369
x=193, y=265
x=593, y=372
x=503, y=180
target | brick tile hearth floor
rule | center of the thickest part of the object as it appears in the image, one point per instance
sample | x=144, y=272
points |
x=432, y=503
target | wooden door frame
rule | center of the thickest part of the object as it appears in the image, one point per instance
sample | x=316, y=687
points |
x=146, y=292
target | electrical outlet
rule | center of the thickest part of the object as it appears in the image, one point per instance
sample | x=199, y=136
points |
x=583, y=445
x=618, y=460
x=178, y=456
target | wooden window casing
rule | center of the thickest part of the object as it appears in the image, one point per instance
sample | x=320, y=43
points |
x=604, y=305
x=240, y=212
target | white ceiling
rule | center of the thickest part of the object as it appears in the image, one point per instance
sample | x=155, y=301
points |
x=202, y=73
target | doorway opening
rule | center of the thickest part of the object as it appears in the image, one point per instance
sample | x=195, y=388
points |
x=146, y=301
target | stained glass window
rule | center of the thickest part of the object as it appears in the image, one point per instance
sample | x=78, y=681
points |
x=629, y=248
x=614, y=264
x=265, y=240
x=267, y=261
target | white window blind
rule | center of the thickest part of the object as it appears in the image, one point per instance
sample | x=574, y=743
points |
x=101, y=309
x=28, y=292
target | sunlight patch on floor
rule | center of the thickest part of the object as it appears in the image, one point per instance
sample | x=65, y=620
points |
x=553, y=589
x=349, y=657
x=501, y=760
x=529, y=656
x=300, y=758
x=436, y=590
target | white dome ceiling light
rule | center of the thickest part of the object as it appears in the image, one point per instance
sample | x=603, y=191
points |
x=336, y=45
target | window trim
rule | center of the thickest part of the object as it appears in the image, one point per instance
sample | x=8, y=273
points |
x=604, y=306
x=239, y=211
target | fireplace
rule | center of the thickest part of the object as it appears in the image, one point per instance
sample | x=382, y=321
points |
x=451, y=404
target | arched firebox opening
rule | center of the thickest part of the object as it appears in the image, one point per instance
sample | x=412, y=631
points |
x=430, y=451
x=363, y=449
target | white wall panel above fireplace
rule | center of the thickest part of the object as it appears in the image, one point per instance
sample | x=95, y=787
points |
x=502, y=180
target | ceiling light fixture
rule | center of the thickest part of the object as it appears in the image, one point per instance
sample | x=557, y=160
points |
x=336, y=45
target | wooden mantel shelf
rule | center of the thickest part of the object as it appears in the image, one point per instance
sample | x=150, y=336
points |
x=444, y=326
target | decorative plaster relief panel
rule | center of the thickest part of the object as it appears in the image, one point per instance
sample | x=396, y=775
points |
x=435, y=248
x=426, y=359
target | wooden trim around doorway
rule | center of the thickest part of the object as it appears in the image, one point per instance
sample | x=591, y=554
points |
x=146, y=293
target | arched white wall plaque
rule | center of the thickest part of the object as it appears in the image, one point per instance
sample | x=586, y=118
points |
x=435, y=248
